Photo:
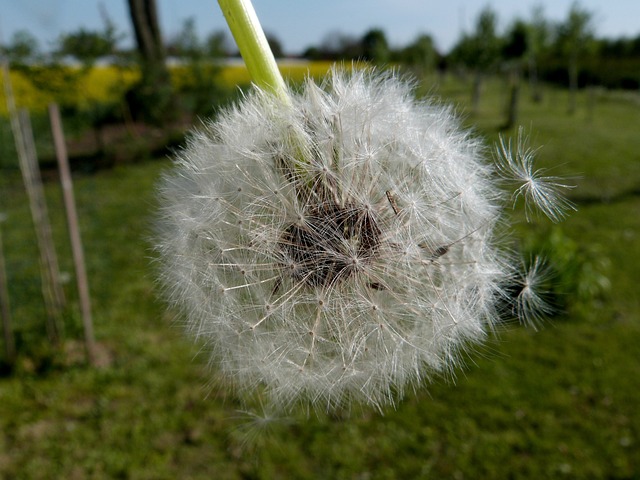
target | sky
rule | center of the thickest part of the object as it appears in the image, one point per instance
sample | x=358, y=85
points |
x=302, y=23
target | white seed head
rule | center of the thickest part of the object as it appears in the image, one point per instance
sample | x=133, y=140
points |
x=338, y=249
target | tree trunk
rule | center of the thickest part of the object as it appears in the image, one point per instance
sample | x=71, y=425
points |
x=534, y=81
x=475, y=94
x=573, y=84
x=144, y=17
x=151, y=98
x=514, y=97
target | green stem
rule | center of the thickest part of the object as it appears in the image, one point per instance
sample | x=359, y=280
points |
x=254, y=48
x=253, y=45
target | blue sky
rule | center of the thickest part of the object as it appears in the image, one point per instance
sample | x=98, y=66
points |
x=300, y=23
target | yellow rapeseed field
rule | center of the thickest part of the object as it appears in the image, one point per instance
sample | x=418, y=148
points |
x=293, y=71
x=67, y=85
x=80, y=88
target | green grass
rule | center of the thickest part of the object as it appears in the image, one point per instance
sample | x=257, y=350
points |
x=561, y=402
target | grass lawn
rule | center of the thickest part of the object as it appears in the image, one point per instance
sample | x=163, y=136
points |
x=560, y=402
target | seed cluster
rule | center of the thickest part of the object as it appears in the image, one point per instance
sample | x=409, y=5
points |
x=359, y=263
x=330, y=244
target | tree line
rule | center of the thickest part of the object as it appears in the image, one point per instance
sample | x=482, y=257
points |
x=545, y=47
x=565, y=52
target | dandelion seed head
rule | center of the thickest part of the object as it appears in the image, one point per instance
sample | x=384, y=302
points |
x=340, y=249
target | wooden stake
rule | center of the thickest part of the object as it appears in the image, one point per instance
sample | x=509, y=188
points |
x=74, y=230
x=25, y=147
x=52, y=287
x=5, y=309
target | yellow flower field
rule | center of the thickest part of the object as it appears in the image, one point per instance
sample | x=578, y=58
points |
x=67, y=85
x=294, y=71
x=73, y=86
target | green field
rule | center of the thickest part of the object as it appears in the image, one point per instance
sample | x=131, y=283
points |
x=559, y=402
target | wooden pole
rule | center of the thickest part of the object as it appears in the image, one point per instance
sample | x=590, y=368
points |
x=5, y=309
x=74, y=230
x=25, y=147
x=53, y=292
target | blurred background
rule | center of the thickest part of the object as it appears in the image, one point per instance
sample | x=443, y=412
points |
x=97, y=379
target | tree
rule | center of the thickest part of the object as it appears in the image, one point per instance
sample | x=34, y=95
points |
x=186, y=43
x=335, y=46
x=421, y=54
x=23, y=50
x=217, y=45
x=479, y=51
x=513, y=51
x=275, y=45
x=198, y=86
x=42, y=70
x=151, y=96
x=375, y=47
x=575, y=37
x=144, y=16
x=87, y=46
x=538, y=34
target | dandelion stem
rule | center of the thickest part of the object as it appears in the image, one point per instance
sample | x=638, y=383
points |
x=263, y=69
x=254, y=48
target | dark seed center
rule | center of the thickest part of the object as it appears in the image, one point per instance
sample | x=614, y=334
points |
x=330, y=244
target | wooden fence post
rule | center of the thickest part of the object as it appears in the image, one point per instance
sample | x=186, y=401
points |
x=25, y=147
x=74, y=230
x=53, y=292
x=5, y=309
